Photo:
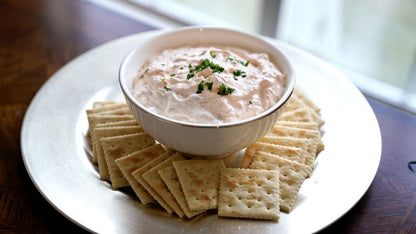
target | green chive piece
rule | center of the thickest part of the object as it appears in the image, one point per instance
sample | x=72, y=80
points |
x=224, y=90
x=190, y=75
x=209, y=85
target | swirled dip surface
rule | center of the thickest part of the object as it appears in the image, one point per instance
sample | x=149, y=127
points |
x=208, y=84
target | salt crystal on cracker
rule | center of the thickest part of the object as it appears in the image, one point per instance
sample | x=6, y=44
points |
x=249, y=193
x=199, y=180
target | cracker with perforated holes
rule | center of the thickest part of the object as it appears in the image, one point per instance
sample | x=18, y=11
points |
x=96, y=119
x=306, y=145
x=299, y=115
x=292, y=175
x=118, y=146
x=99, y=104
x=298, y=93
x=100, y=133
x=290, y=152
x=313, y=135
x=199, y=180
x=138, y=175
x=105, y=108
x=134, y=161
x=118, y=124
x=249, y=193
x=171, y=180
x=297, y=124
x=154, y=180
x=300, y=101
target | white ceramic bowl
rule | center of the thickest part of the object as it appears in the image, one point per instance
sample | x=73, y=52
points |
x=211, y=140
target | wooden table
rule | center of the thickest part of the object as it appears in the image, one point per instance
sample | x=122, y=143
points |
x=38, y=37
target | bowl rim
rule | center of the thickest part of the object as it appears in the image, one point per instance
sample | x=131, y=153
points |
x=291, y=77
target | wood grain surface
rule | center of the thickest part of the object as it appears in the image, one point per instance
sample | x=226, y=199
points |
x=38, y=37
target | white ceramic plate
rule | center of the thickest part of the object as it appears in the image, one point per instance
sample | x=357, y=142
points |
x=53, y=151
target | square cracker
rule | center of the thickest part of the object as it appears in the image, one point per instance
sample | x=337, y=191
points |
x=297, y=124
x=105, y=108
x=134, y=161
x=171, y=180
x=199, y=180
x=304, y=144
x=100, y=133
x=289, y=152
x=118, y=146
x=95, y=119
x=299, y=115
x=132, y=122
x=120, y=111
x=298, y=93
x=153, y=179
x=292, y=175
x=138, y=175
x=99, y=104
x=249, y=193
x=313, y=135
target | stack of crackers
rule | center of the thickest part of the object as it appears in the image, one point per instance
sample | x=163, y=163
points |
x=267, y=182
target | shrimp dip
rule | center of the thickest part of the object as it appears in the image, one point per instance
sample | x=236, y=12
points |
x=208, y=84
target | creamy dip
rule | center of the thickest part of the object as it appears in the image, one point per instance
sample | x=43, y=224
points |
x=208, y=84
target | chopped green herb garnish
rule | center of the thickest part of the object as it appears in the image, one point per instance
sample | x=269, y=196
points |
x=173, y=74
x=144, y=73
x=239, y=61
x=181, y=68
x=209, y=85
x=203, y=52
x=239, y=73
x=235, y=78
x=206, y=63
x=249, y=102
x=224, y=90
x=166, y=88
x=190, y=75
x=163, y=79
x=212, y=54
x=200, y=87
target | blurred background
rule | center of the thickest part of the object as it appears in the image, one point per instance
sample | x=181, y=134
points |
x=372, y=42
